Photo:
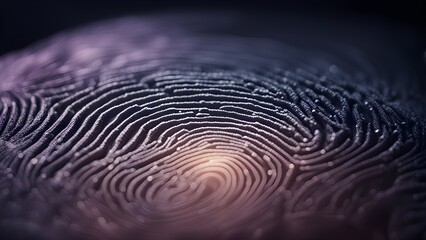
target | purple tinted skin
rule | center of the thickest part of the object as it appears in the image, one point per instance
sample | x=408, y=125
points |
x=142, y=129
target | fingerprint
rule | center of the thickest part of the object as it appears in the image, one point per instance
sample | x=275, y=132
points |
x=125, y=131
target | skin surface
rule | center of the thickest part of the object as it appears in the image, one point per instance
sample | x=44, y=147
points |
x=150, y=128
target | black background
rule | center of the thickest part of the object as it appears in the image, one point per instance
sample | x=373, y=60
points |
x=24, y=22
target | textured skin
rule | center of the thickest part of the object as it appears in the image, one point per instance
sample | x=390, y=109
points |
x=137, y=129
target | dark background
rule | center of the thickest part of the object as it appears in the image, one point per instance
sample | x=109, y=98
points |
x=24, y=22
